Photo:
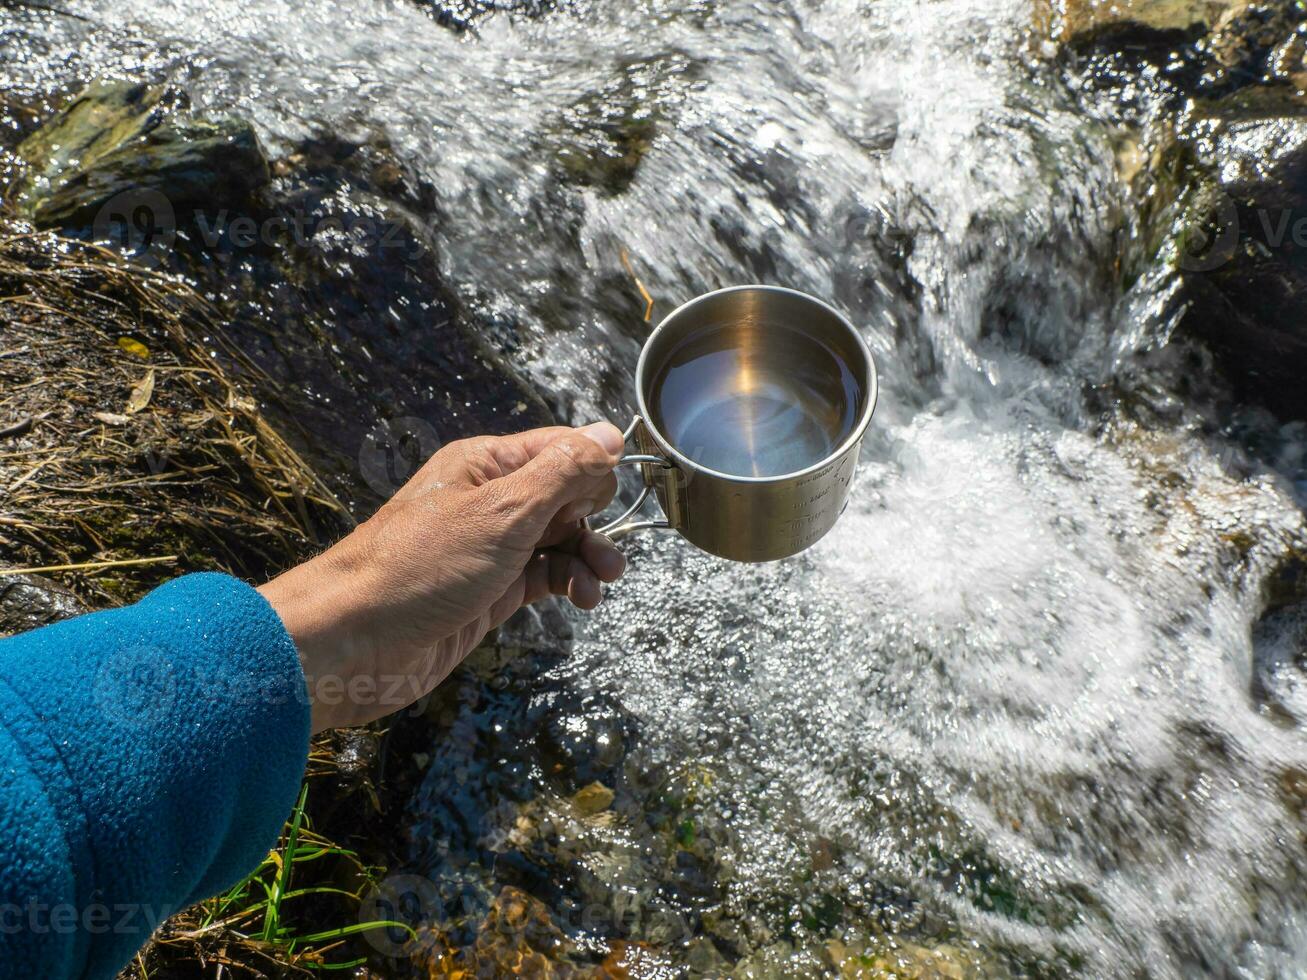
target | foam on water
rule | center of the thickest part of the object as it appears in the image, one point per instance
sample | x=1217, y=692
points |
x=1016, y=682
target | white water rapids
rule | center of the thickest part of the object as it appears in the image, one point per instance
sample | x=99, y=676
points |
x=1015, y=682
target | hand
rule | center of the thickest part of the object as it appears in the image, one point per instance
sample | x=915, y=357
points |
x=487, y=526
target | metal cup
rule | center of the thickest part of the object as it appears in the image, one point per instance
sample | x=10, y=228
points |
x=747, y=518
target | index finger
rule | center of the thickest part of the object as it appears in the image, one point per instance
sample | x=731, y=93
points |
x=512, y=452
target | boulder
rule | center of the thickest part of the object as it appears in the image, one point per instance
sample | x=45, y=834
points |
x=1244, y=258
x=369, y=360
x=330, y=301
x=123, y=138
x=1077, y=21
x=1206, y=95
x=600, y=140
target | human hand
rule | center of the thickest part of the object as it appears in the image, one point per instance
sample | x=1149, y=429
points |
x=487, y=526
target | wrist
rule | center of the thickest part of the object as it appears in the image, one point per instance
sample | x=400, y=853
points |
x=319, y=604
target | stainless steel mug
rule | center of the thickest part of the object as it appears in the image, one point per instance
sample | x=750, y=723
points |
x=732, y=343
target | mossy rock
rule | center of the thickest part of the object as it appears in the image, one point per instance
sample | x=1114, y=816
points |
x=601, y=139
x=119, y=138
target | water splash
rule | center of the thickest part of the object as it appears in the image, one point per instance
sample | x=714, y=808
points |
x=1011, y=697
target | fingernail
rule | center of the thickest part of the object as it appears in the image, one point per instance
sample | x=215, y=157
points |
x=606, y=435
x=577, y=510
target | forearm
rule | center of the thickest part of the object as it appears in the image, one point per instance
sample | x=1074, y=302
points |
x=153, y=753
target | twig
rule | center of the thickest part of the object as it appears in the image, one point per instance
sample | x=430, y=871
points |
x=19, y=428
x=28, y=475
x=87, y=566
x=648, y=300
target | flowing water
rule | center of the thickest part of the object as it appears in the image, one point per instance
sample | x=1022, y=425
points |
x=1010, y=705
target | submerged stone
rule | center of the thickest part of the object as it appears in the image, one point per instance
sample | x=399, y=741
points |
x=600, y=140
x=592, y=799
x=899, y=959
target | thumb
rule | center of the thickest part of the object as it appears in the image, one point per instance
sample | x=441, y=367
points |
x=568, y=469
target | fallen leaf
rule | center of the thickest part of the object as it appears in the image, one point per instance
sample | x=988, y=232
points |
x=141, y=394
x=134, y=347
x=111, y=418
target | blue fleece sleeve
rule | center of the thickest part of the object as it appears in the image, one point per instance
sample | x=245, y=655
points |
x=148, y=759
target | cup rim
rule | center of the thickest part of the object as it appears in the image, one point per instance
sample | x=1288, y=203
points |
x=852, y=439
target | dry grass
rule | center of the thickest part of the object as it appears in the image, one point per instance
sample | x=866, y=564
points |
x=122, y=437
x=129, y=454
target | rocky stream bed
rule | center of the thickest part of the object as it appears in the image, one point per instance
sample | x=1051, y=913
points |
x=231, y=324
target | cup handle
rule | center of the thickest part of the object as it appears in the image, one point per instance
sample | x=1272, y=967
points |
x=619, y=527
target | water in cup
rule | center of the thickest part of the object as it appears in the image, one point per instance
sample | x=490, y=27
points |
x=754, y=399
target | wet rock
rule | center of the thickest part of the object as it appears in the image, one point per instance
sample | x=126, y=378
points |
x=1279, y=668
x=1243, y=255
x=781, y=961
x=1214, y=149
x=366, y=358
x=134, y=140
x=635, y=961
x=1257, y=43
x=356, y=752
x=332, y=306
x=1293, y=791
x=899, y=959
x=592, y=799
x=29, y=601
x=462, y=14
x=704, y=959
x=600, y=140
x=346, y=312
x=587, y=744
x=1080, y=21
x=518, y=936
x=1194, y=48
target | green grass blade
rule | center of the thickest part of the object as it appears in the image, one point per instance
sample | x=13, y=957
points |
x=272, y=920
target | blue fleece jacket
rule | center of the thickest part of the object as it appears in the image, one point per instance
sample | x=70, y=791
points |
x=148, y=759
